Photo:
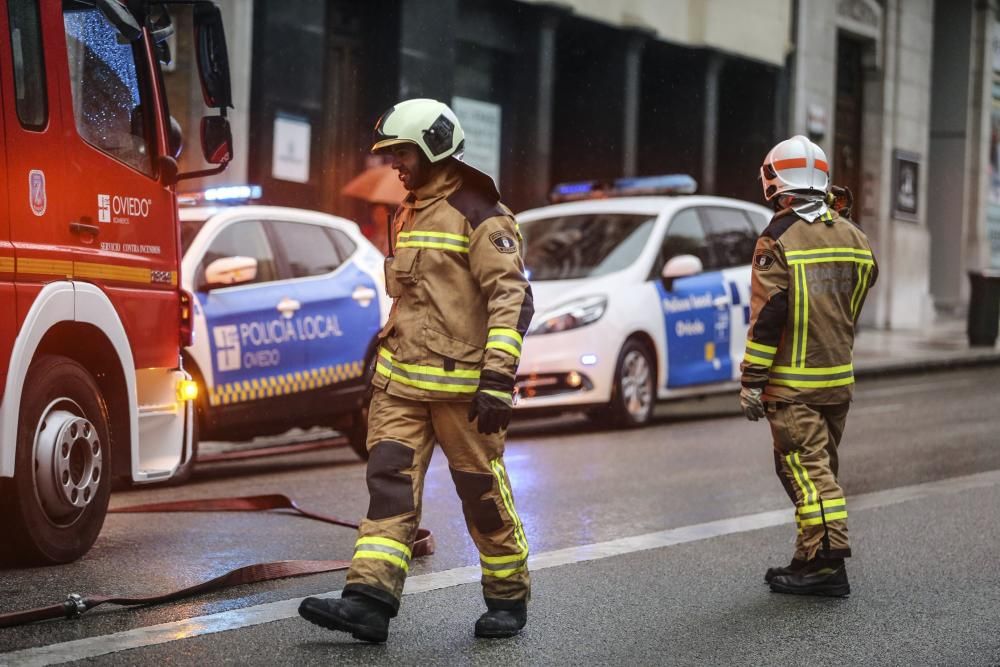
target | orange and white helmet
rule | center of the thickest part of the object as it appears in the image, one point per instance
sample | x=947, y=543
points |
x=795, y=165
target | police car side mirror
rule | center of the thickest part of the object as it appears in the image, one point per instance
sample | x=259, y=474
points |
x=227, y=271
x=680, y=266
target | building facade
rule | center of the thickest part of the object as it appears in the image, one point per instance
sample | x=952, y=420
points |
x=903, y=95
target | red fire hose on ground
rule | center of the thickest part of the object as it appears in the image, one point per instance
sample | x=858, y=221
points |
x=76, y=604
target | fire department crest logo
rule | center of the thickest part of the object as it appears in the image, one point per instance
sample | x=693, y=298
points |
x=503, y=242
x=36, y=192
x=763, y=261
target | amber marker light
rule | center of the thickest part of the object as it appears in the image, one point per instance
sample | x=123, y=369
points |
x=187, y=390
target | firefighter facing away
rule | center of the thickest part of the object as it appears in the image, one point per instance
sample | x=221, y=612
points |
x=445, y=370
x=812, y=269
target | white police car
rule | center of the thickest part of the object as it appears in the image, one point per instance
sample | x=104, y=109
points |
x=287, y=306
x=637, y=297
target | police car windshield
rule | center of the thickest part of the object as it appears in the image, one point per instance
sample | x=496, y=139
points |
x=189, y=230
x=583, y=246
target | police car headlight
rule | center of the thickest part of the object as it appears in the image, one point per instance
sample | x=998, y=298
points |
x=572, y=315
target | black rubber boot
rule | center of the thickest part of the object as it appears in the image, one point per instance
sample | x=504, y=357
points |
x=792, y=567
x=820, y=577
x=363, y=617
x=505, y=618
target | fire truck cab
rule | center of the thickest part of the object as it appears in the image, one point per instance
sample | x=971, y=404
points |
x=92, y=318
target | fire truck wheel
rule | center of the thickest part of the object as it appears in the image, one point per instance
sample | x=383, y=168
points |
x=634, y=392
x=62, y=478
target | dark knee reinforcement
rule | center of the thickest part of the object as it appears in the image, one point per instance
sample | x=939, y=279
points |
x=480, y=512
x=390, y=488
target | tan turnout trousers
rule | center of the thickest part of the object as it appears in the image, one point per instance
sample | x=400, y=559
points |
x=401, y=437
x=806, y=438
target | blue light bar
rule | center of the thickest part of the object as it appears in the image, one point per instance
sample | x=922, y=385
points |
x=679, y=184
x=669, y=184
x=232, y=193
x=581, y=188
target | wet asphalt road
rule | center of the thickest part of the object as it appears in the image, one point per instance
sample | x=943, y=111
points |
x=927, y=588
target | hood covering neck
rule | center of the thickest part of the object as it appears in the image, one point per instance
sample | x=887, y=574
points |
x=809, y=206
x=444, y=182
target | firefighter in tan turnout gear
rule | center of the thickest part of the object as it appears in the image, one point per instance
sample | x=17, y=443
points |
x=445, y=372
x=812, y=270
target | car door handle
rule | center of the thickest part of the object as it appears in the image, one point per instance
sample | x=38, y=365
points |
x=363, y=295
x=84, y=228
x=288, y=306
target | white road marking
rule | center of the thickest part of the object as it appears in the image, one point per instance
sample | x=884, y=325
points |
x=276, y=611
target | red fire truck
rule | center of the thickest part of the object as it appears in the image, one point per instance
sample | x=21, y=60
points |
x=92, y=318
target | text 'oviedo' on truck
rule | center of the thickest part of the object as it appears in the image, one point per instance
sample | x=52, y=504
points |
x=92, y=318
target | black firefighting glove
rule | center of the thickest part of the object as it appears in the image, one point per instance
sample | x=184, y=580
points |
x=492, y=403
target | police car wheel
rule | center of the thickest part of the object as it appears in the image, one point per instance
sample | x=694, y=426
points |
x=633, y=395
x=58, y=498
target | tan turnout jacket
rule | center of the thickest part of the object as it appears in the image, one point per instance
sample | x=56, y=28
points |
x=461, y=302
x=809, y=282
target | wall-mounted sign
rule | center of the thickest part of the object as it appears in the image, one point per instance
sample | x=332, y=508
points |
x=816, y=123
x=481, y=123
x=905, y=185
x=290, y=161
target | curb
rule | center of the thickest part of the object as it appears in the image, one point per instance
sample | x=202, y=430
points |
x=931, y=365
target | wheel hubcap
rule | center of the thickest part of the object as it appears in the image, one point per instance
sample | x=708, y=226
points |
x=637, y=385
x=68, y=463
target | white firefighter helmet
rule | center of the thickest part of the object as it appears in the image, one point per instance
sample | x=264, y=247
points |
x=429, y=124
x=795, y=165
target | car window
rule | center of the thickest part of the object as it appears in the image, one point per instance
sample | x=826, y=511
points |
x=242, y=239
x=309, y=251
x=344, y=244
x=583, y=246
x=29, y=64
x=104, y=79
x=730, y=236
x=685, y=236
x=758, y=220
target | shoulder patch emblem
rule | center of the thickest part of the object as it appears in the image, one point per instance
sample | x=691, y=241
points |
x=763, y=261
x=503, y=242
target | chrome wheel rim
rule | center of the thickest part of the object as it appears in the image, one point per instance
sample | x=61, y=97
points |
x=637, y=385
x=68, y=461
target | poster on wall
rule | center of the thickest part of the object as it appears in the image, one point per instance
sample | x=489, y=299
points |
x=481, y=122
x=993, y=198
x=290, y=160
x=905, y=181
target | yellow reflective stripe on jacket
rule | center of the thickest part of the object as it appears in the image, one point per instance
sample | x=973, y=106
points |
x=504, y=396
x=427, y=377
x=830, y=376
x=864, y=275
x=384, y=549
x=860, y=253
x=760, y=347
x=801, y=475
x=760, y=354
x=434, y=240
x=507, y=340
x=800, y=330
